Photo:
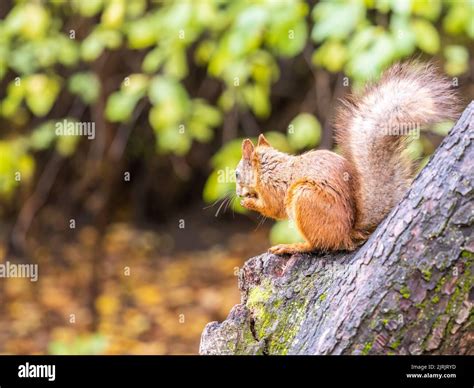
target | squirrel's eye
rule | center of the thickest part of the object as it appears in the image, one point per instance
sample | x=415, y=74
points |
x=237, y=174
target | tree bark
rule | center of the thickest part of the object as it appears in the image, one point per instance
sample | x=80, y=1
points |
x=407, y=290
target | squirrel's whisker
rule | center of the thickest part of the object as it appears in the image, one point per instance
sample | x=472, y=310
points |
x=219, y=199
x=261, y=222
x=229, y=202
x=226, y=199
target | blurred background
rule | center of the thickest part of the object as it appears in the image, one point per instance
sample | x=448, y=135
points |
x=135, y=230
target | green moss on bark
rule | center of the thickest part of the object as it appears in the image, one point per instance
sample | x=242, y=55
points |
x=275, y=319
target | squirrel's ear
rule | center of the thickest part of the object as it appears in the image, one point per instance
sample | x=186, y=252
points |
x=247, y=149
x=262, y=141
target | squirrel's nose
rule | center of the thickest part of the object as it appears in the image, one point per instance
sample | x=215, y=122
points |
x=241, y=191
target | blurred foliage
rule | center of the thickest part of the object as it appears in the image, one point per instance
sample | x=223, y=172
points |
x=240, y=43
x=284, y=232
x=81, y=345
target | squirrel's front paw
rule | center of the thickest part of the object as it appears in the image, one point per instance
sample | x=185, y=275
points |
x=249, y=203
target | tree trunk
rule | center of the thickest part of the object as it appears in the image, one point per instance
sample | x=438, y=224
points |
x=408, y=290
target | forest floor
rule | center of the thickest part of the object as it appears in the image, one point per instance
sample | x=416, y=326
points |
x=133, y=290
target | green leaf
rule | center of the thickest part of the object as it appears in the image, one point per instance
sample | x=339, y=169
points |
x=415, y=149
x=427, y=9
x=284, y=232
x=172, y=140
x=332, y=55
x=252, y=17
x=66, y=145
x=153, y=60
x=88, y=8
x=304, y=131
x=135, y=85
x=404, y=40
x=141, y=33
x=35, y=21
x=92, y=47
x=41, y=93
x=248, y=30
x=229, y=155
x=15, y=95
x=120, y=106
x=457, y=60
x=459, y=19
x=257, y=98
x=170, y=100
x=110, y=38
x=206, y=113
x=176, y=65
x=163, y=89
x=114, y=14
x=177, y=17
x=136, y=8
x=263, y=69
x=200, y=131
x=23, y=59
x=46, y=52
x=336, y=20
x=370, y=51
x=426, y=36
x=442, y=128
x=287, y=38
x=14, y=158
x=162, y=116
x=203, y=118
x=86, y=85
x=401, y=7
x=68, y=51
x=204, y=52
x=43, y=136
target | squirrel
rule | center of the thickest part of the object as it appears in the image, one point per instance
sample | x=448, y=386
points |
x=336, y=201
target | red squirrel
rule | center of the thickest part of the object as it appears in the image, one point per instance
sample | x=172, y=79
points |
x=336, y=201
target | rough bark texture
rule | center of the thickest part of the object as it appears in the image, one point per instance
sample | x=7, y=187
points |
x=408, y=290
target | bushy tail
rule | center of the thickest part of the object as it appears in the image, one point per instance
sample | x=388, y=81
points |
x=372, y=130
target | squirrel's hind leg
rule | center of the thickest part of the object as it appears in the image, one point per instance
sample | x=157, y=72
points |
x=290, y=249
x=322, y=214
